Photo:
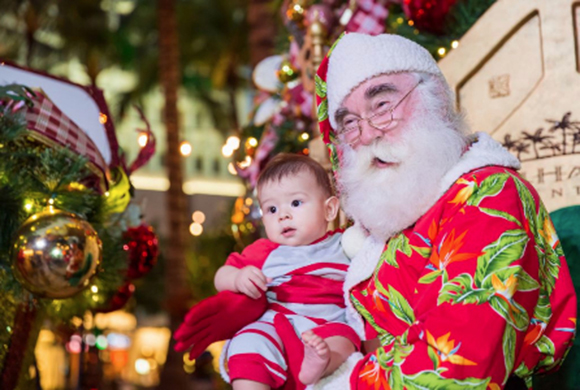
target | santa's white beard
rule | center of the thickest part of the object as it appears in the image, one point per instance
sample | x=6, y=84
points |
x=386, y=201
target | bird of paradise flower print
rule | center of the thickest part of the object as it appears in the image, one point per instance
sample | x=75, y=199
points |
x=442, y=349
x=446, y=253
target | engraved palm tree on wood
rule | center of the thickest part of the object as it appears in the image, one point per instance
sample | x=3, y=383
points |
x=536, y=138
x=546, y=145
x=563, y=125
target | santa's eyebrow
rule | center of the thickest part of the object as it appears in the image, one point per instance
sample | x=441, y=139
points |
x=381, y=88
x=340, y=114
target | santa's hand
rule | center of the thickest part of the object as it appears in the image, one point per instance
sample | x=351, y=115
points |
x=250, y=280
x=217, y=318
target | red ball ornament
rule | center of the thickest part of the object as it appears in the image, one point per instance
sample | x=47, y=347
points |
x=142, y=248
x=428, y=15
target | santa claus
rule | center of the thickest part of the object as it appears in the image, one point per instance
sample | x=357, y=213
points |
x=461, y=280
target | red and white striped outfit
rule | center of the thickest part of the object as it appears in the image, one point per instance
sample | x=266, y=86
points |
x=306, y=287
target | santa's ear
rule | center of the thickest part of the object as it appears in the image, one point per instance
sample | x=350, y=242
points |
x=331, y=206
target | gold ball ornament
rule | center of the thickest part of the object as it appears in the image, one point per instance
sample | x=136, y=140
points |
x=55, y=254
x=296, y=12
x=287, y=72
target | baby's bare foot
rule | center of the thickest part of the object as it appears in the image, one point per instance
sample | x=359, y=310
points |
x=316, y=358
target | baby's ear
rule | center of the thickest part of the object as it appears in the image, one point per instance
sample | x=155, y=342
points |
x=331, y=206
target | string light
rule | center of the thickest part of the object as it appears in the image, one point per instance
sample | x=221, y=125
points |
x=441, y=51
x=103, y=118
x=252, y=142
x=185, y=148
x=195, y=229
x=233, y=142
x=198, y=216
x=304, y=136
x=454, y=44
x=143, y=139
x=94, y=289
x=227, y=150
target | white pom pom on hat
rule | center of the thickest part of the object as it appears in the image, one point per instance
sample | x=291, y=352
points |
x=358, y=57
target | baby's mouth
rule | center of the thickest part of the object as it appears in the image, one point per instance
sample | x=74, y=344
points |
x=288, y=231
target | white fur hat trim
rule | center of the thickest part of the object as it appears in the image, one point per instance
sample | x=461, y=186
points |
x=358, y=57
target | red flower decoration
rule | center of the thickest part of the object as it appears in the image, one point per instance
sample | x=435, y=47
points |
x=142, y=248
x=428, y=15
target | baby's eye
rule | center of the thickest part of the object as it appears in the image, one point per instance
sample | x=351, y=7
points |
x=272, y=209
x=296, y=203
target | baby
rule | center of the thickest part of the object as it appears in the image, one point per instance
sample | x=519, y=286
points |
x=302, y=268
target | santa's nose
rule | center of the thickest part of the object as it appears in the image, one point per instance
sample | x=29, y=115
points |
x=368, y=133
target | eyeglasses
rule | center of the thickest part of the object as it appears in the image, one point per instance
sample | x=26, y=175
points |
x=350, y=132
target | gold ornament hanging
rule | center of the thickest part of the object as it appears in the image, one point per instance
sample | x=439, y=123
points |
x=287, y=72
x=55, y=254
x=296, y=12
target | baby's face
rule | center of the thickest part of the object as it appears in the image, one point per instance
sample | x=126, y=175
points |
x=294, y=209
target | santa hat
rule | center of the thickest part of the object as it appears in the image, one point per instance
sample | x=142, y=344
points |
x=359, y=57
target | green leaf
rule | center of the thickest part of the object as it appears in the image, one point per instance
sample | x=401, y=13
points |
x=490, y=186
x=543, y=309
x=396, y=377
x=525, y=281
x=430, y=277
x=322, y=110
x=516, y=316
x=509, y=350
x=320, y=87
x=386, y=338
x=509, y=247
x=546, y=346
x=365, y=314
x=397, y=243
x=384, y=359
x=433, y=356
x=528, y=203
x=433, y=381
x=454, y=289
x=424, y=252
x=500, y=214
x=400, y=307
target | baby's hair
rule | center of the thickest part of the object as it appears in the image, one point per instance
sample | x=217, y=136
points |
x=287, y=164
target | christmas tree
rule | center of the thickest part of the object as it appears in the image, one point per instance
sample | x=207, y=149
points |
x=71, y=239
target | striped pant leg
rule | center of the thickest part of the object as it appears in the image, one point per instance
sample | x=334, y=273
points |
x=256, y=353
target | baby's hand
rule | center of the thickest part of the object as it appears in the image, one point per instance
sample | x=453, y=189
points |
x=250, y=280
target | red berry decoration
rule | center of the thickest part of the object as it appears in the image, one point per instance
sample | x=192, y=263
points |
x=428, y=15
x=119, y=299
x=142, y=248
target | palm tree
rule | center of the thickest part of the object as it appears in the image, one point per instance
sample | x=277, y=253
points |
x=521, y=147
x=508, y=143
x=173, y=376
x=575, y=141
x=551, y=146
x=536, y=138
x=563, y=124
